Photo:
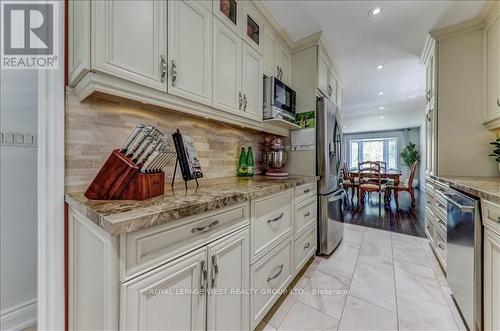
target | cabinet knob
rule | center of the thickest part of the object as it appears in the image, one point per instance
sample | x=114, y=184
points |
x=498, y=102
x=245, y=103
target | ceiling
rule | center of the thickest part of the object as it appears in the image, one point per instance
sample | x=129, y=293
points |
x=359, y=42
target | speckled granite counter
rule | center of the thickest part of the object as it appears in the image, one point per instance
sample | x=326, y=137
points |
x=120, y=216
x=483, y=187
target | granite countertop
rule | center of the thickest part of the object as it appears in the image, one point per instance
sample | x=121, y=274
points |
x=483, y=187
x=122, y=216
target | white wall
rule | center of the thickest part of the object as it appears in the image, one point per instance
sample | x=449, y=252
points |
x=404, y=137
x=18, y=226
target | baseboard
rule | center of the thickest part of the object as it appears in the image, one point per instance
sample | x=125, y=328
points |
x=20, y=316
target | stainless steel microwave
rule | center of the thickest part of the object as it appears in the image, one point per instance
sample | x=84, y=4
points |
x=279, y=100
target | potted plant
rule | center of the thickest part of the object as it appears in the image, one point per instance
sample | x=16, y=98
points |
x=496, y=151
x=410, y=155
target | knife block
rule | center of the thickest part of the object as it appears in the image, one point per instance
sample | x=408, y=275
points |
x=119, y=178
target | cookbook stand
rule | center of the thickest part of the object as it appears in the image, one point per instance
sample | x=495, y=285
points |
x=185, y=181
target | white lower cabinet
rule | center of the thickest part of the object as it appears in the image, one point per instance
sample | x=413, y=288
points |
x=168, y=298
x=491, y=279
x=229, y=264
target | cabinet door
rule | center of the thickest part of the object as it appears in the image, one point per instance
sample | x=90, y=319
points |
x=190, y=50
x=284, y=59
x=167, y=298
x=78, y=40
x=492, y=39
x=270, y=53
x=253, y=26
x=229, y=12
x=323, y=71
x=227, y=69
x=252, y=83
x=229, y=264
x=130, y=40
x=491, y=280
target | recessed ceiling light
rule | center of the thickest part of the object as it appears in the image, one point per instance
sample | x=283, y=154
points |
x=380, y=93
x=382, y=117
x=380, y=66
x=375, y=11
x=381, y=108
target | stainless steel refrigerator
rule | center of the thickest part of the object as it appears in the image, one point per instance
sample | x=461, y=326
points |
x=331, y=195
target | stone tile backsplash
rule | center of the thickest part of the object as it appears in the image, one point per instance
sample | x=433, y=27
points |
x=98, y=125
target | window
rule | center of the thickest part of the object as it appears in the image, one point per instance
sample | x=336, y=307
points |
x=385, y=149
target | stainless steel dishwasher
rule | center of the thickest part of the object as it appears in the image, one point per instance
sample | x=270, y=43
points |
x=464, y=256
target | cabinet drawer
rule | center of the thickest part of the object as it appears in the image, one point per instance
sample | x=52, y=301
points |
x=440, y=245
x=271, y=273
x=305, y=214
x=441, y=187
x=305, y=191
x=305, y=246
x=148, y=248
x=429, y=229
x=271, y=221
x=491, y=215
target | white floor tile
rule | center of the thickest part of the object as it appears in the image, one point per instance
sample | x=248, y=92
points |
x=302, y=317
x=361, y=315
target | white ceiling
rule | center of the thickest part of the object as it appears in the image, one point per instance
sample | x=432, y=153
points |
x=359, y=43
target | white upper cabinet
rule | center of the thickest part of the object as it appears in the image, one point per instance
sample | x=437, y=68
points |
x=230, y=13
x=252, y=83
x=227, y=69
x=190, y=50
x=252, y=27
x=154, y=301
x=323, y=72
x=332, y=87
x=284, y=64
x=492, y=62
x=270, y=53
x=78, y=48
x=229, y=261
x=130, y=40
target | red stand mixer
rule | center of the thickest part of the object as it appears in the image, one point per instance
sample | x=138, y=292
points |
x=275, y=158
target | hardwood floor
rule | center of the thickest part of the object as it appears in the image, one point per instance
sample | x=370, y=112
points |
x=405, y=220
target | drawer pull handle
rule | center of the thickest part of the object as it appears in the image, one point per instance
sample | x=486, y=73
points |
x=442, y=222
x=306, y=246
x=203, y=277
x=205, y=228
x=215, y=270
x=440, y=245
x=307, y=214
x=498, y=219
x=275, y=219
x=277, y=274
x=307, y=190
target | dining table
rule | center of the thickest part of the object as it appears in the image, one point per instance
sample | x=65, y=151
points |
x=395, y=175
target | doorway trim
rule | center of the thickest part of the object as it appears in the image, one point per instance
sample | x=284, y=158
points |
x=51, y=94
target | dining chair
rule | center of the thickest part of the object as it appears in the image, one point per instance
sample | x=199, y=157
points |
x=348, y=181
x=405, y=187
x=370, y=180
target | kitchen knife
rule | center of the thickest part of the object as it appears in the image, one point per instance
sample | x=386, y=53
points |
x=131, y=137
x=148, y=151
x=138, y=139
x=142, y=147
x=157, y=153
x=156, y=165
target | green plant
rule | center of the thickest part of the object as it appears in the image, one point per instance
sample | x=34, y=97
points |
x=410, y=154
x=496, y=150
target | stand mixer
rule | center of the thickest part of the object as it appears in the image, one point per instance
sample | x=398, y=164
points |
x=275, y=158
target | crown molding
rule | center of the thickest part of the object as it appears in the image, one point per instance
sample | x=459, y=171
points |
x=273, y=22
x=471, y=25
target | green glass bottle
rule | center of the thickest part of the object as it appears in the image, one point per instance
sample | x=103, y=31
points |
x=242, y=164
x=249, y=161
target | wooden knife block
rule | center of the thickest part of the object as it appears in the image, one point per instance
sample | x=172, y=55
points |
x=120, y=179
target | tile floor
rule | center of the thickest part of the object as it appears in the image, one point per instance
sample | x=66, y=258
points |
x=375, y=280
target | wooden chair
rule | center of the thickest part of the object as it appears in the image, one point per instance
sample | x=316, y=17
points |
x=370, y=180
x=408, y=187
x=348, y=181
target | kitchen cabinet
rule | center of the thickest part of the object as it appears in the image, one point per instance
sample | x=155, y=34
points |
x=332, y=87
x=168, y=298
x=491, y=294
x=492, y=68
x=283, y=64
x=229, y=265
x=277, y=59
x=129, y=40
x=323, y=72
x=431, y=141
x=430, y=80
x=229, y=12
x=252, y=83
x=79, y=49
x=190, y=50
x=252, y=27
x=227, y=69
x=238, y=84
